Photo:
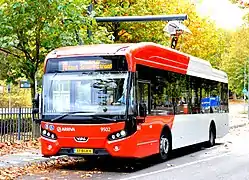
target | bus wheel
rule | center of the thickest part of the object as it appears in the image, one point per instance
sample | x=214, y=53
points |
x=164, y=147
x=212, y=135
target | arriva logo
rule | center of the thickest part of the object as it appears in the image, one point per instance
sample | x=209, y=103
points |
x=65, y=129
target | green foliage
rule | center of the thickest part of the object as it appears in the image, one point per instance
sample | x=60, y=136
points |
x=29, y=29
x=241, y=3
x=235, y=58
x=18, y=97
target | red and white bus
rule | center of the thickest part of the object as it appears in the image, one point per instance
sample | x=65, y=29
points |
x=129, y=100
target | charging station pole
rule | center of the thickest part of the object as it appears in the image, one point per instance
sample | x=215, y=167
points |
x=118, y=19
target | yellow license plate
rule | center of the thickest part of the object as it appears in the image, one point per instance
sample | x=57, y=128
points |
x=83, y=151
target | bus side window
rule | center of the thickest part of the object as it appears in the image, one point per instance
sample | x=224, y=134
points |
x=143, y=94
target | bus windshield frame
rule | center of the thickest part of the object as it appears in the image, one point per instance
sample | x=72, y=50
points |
x=111, y=86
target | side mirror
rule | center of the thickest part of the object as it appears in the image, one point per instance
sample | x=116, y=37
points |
x=142, y=110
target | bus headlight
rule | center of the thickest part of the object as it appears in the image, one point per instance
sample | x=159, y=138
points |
x=123, y=133
x=113, y=137
x=44, y=132
x=48, y=134
x=117, y=135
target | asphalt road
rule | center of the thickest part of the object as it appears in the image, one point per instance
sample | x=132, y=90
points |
x=229, y=159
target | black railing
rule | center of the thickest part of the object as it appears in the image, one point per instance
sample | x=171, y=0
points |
x=16, y=124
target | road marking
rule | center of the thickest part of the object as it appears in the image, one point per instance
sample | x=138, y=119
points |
x=176, y=167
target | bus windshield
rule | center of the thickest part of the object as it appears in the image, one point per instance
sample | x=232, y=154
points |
x=93, y=92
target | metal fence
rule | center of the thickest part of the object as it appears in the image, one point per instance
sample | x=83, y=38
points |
x=17, y=124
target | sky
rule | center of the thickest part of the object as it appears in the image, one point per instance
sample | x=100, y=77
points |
x=225, y=14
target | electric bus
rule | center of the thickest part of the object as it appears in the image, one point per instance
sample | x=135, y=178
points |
x=130, y=101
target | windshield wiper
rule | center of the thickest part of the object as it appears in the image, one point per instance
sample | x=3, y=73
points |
x=75, y=112
x=104, y=118
x=67, y=114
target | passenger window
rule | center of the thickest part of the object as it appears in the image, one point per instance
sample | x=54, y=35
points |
x=143, y=94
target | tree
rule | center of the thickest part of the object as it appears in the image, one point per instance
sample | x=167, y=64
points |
x=241, y=3
x=235, y=58
x=206, y=41
x=29, y=29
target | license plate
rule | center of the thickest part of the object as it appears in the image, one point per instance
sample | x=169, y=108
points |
x=83, y=151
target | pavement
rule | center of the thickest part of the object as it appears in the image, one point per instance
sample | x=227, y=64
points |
x=237, y=119
x=22, y=159
x=238, y=115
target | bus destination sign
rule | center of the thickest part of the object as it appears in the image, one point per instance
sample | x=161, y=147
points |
x=85, y=65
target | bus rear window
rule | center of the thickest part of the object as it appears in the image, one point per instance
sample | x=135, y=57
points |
x=86, y=63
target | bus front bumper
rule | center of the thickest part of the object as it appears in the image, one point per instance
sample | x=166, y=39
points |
x=126, y=147
x=93, y=140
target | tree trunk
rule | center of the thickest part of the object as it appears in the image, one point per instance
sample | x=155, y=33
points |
x=33, y=88
x=234, y=96
x=116, y=30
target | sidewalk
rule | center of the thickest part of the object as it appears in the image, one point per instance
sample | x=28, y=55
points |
x=24, y=158
x=21, y=159
x=236, y=121
x=237, y=116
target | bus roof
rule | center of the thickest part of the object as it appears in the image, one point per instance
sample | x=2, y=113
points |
x=155, y=55
x=89, y=50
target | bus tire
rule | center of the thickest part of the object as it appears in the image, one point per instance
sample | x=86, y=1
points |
x=165, y=146
x=212, y=136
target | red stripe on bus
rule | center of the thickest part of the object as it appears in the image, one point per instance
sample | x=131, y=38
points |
x=157, y=56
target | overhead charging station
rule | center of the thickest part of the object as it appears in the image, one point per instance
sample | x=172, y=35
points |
x=174, y=27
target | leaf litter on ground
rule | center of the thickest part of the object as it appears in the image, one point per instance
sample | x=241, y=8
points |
x=18, y=146
x=34, y=168
x=42, y=167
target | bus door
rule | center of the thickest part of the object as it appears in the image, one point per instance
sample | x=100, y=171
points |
x=144, y=97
